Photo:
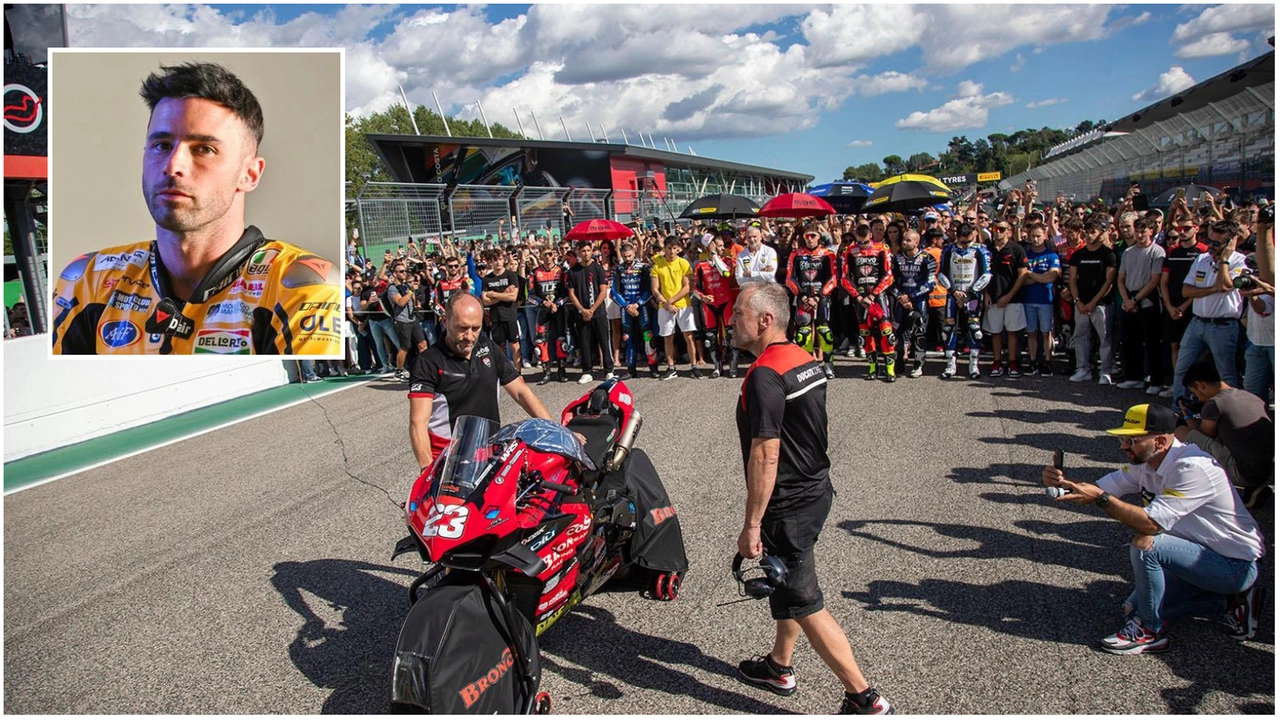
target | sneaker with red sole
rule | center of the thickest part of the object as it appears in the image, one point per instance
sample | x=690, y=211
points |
x=762, y=672
x=870, y=702
x=1242, y=616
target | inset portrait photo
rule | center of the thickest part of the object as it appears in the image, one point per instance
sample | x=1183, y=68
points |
x=195, y=202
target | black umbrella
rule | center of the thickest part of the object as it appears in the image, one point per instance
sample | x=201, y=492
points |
x=1165, y=199
x=721, y=207
x=846, y=197
x=906, y=195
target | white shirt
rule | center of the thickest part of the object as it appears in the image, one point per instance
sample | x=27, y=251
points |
x=1203, y=274
x=1189, y=497
x=760, y=265
x=1261, y=330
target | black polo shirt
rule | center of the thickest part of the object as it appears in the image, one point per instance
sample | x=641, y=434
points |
x=459, y=386
x=501, y=282
x=784, y=396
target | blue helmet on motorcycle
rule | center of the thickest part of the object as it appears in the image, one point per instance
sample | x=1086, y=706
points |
x=773, y=575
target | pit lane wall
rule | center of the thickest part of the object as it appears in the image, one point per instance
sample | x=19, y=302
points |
x=51, y=403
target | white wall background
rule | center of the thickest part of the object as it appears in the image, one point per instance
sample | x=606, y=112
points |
x=52, y=402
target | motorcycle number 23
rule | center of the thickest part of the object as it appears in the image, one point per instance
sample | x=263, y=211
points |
x=446, y=521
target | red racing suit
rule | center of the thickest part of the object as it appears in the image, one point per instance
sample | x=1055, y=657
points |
x=812, y=274
x=868, y=273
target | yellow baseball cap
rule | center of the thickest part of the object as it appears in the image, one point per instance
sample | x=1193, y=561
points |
x=1147, y=419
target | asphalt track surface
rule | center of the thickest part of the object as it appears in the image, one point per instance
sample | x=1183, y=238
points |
x=247, y=571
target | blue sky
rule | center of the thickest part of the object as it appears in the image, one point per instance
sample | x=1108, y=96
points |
x=811, y=88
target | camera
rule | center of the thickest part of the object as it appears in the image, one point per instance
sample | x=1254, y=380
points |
x=1189, y=407
x=1267, y=215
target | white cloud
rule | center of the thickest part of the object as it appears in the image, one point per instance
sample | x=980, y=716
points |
x=1130, y=21
x=1174, y=81
x=1019, y=63
x=1211, y=33
x=969, y=110
x=957, y=36
x=1213, y=45
x=1046, y=102
x=887, y=82
x=860, y=144
x=852, y=35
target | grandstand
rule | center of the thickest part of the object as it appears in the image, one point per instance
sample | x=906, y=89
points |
x=1220, y=132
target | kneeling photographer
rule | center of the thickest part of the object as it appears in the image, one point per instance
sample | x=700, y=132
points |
x=1195, y=547
x=1232, y=426
x=782, y=428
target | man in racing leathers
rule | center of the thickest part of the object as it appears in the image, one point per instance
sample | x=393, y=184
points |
x=630, y=290
x=811, y=278
x=964, y=271
x=207, y=283
x=547, y=289
x=914, y=277
x=713, y=287
x=867, y=274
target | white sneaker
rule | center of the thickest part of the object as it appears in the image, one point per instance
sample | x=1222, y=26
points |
x=1166, y=391
x=1081, y=376
x=586, y=378
x=1130, y=384
x=1104, y=379
x=610, y=375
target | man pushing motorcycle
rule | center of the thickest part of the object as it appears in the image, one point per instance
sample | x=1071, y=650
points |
x=782, y=428
x=461, y=376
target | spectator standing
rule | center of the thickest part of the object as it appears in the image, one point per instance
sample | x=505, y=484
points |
x=1182, y=250
x=382, y=327
x=1139, y=278
x=1005, y=316
x=500, y=293
x=588, y=286
x=1216, y=306
x=671, y=282
x=933, y=239
x=1092, y=274
x=1043, y=271
x=757, y=261
x=400, y=297
x=1260, y=356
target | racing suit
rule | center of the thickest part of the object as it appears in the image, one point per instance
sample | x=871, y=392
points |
x=812, y=274
x=913, y=278
x=712, y=277
x=545, y=285
x=278, y=300
x=868, y=273
x=631, y=286
x=967, y=270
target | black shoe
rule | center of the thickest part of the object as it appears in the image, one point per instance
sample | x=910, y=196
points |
x=670, y=374
x=1046, y=369
x=653, y=373
x=695, y=373
x=561, y=376
x=872, y=703
x=763, y=673
x=1242, y=615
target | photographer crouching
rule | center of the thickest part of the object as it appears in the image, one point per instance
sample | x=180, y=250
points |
x=782, y=428
x=1195, y=547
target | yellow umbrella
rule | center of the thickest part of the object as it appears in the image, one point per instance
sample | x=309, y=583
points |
x=912, y=177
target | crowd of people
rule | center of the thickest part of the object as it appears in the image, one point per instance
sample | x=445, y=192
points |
x=1126, y=297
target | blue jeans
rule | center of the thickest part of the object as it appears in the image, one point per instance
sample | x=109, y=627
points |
x=429, y=331
x=387, y=327
x=526, y=319
x=1259, y=369
x=1219, y=339
x=1178, y=578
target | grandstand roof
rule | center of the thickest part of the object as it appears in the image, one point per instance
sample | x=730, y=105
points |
x=1258, y=71
x=384, y=145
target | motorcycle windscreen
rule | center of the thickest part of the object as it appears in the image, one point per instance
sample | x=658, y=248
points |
x=468, y=459
x=548, y=437
x=454, y=656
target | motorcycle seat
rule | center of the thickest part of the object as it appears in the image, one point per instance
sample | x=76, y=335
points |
x=600, y=431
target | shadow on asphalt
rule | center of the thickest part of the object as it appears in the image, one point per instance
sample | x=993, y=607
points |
x=1097, y=419
x=1104, y=451
x=1091, y=549
x=591, y=637
x=354, y=658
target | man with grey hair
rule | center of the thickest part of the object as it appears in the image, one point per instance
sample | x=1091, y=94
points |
x=782, y=429
x=757, y=261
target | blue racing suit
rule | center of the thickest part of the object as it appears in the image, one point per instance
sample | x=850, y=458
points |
x=967, y=270
x=913, y=278
x=631, y=286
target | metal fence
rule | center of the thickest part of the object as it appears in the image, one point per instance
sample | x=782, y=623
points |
x=541, y=209
x=479, y=210
x=589, y=204
x=392, y=214
x=1230, y=143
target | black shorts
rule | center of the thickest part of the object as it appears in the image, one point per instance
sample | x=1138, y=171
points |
x=1175, y=329
x=505, y=332
x=791, y=538
x=410, y=334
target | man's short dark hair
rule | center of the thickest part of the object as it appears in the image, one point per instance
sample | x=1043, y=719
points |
x=670, y=241
x=1202, y=372
x=964, y=229
x=1230, y=228
x=207, y=81
x=933, y=234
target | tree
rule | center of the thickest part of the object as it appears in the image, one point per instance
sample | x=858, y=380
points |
x=869, y=172
x=893, y=165
x=920, y=162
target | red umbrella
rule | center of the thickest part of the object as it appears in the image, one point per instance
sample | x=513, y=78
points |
x=796, y=205
x=599, y=229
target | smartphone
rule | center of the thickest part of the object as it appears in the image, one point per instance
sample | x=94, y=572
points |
x=1180, y=193
x=1058, y=458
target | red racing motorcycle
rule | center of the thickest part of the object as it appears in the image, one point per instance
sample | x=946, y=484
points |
x=516, y=526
